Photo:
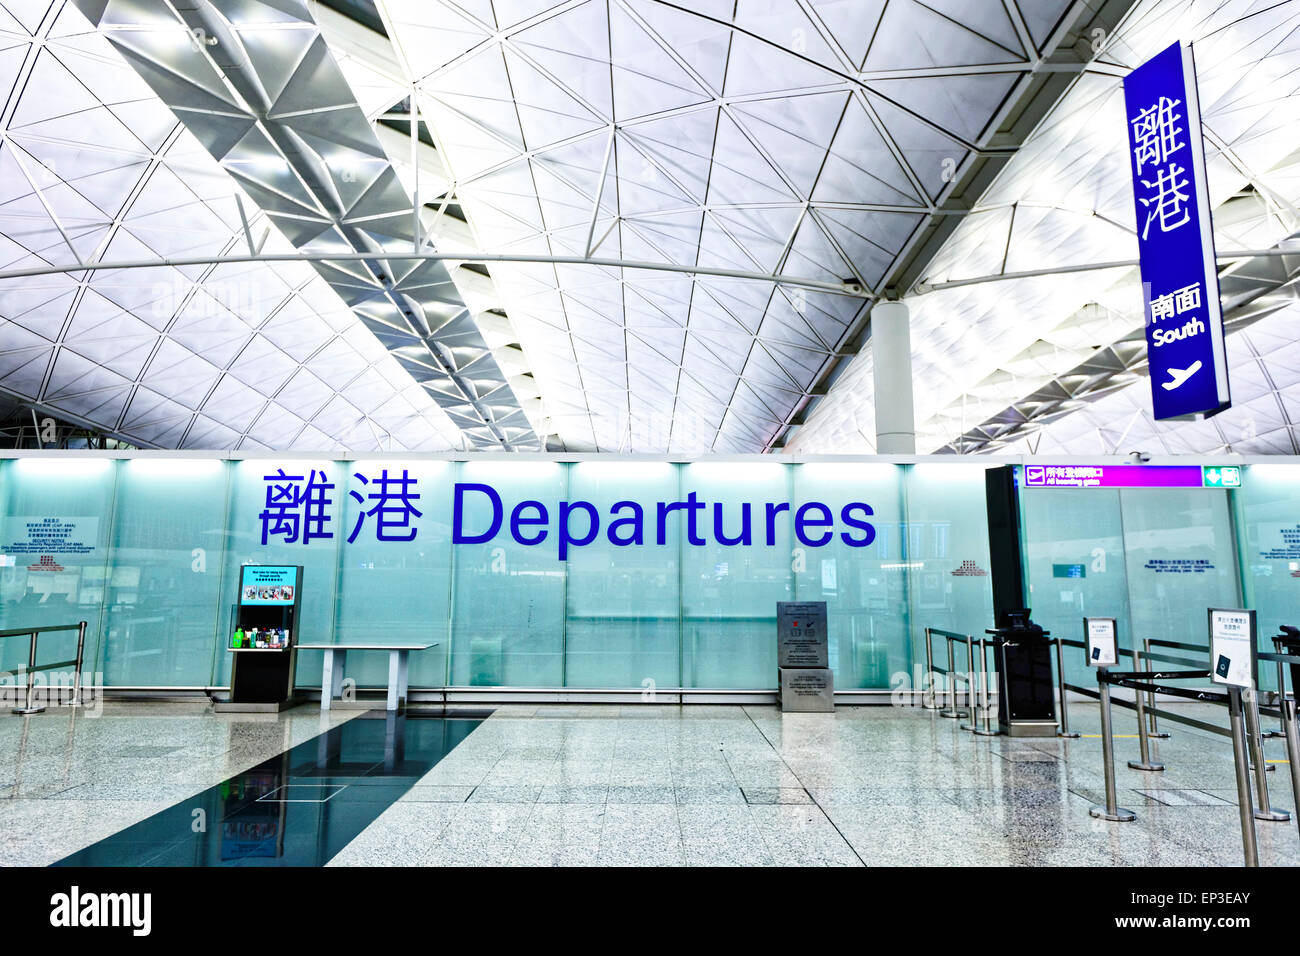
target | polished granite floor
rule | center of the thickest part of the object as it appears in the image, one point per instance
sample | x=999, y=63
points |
x=653, y=785
x=298, y=808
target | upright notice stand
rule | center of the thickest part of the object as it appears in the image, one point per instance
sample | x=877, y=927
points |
x=264, y=639
x=803, y=667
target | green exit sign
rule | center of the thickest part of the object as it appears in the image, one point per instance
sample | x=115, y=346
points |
x=1221, y=476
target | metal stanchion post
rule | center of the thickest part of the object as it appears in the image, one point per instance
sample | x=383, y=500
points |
x=1248, y=842
x=1004, y=687
x=1281, y=726
x=29, y=707
x=76, y=674
x=951, y=710
x=1281, y=693
x=1154, y=730
x=1144, y=747
x=1111, y=811
x=1281, y=722
x=972, y=706
x=1265, y=810
x=929, y=671
x=1060, y=679
x=987, y=730
x=1288, y=708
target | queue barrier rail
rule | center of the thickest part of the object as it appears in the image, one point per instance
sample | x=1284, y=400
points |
x=980, y=711
x=1254, y=731
x=1290, y=729
x=33, y=633
x=932, y=669
x=1146, y=681
x=977, y=696
x=1143, y=704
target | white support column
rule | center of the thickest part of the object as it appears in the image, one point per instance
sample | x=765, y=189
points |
x=891, y=363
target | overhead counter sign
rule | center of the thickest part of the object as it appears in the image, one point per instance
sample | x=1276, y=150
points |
x=1184, y=323
x=1131, y=476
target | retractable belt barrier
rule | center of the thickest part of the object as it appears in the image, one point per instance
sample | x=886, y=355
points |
x=29, y=705
x=1147, y=681
x=980, y=712
x=1243, y=730
x=1287, y=711
x=977, y=695
x=1143, y=704
x=981, y=722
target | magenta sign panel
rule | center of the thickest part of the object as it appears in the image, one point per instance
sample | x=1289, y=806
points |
x=1111, y=476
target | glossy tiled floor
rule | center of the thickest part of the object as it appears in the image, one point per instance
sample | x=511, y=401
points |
x=298, y=808
x=668, y=785
x=746, y=785
x=68, y=780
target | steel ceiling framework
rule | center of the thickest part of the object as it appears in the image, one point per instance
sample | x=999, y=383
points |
x=812, y=139
x=255, y=83
x=1045, y=364
x=93, y=165
x=792, y=143
x=1252, y=290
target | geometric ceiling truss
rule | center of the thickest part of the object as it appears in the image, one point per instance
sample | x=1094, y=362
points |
x=802, y=138
x=94, y=167
x=1252, y=290
x=1045, y=358
x=254, y=81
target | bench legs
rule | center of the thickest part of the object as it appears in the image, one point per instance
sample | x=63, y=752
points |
x=331, y=679
x=331, y=682
x=397, y=678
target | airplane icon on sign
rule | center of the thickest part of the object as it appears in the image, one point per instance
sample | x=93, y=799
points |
x=1179, y=375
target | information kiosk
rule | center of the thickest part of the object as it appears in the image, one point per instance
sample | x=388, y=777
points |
x=264, y=638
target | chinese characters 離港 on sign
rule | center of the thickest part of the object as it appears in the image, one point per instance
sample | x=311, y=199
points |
x=297, y=506
x=1184, y=327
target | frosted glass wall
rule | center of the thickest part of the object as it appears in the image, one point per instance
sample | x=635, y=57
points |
x=599, y=574
x=1075, y=567
x=1152, y=558
x=1269, y=535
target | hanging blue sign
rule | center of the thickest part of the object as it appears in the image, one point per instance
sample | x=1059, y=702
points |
x=1184, y=324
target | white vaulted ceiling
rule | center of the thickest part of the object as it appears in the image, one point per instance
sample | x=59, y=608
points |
x=877, y=147
x=1057, y=363
x=814, y=140
x=93, y=166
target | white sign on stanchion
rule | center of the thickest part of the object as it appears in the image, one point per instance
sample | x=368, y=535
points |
x=1232, y=647
x=1100, y=635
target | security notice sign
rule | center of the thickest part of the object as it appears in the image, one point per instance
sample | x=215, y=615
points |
x=1099, y=632
x=1232, y=647
x=48, y=535
x=1184, y=324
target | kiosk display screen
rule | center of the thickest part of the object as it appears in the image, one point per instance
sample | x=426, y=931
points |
x=267, y=584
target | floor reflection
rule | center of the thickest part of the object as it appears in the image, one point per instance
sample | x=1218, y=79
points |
x=299, y=808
